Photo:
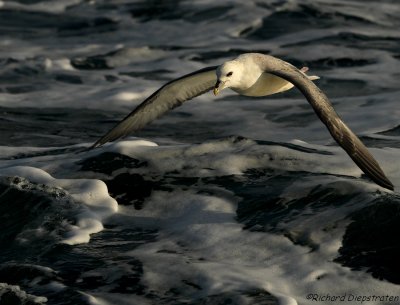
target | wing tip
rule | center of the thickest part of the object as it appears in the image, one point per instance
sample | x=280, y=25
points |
x=373, y=171
x=385, y=183
x=97, y=144
x=379, y=178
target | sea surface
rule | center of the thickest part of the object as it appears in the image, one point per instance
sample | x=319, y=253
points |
x=225, y=200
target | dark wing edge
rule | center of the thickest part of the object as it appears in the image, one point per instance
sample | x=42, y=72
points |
x=342, y=134
x=169, y=96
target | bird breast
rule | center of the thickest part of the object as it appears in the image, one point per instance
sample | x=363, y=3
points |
x=266, y=84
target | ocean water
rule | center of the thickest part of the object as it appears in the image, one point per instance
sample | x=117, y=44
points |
x=225, y=200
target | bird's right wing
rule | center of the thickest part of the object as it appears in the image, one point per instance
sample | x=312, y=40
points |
x=169, y=96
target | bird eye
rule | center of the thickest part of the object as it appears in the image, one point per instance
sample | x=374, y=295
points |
x=229, y=73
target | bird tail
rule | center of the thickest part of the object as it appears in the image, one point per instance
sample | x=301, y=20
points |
x=310, y=77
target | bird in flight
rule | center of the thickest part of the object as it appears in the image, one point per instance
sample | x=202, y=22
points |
x=250, y=74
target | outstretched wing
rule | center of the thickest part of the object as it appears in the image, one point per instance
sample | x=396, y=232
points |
x=338, y=129
x=169, y=96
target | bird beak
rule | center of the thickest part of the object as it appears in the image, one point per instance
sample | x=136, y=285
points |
x=216, y=87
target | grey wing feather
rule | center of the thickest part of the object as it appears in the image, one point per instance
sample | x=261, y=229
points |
x=169, y=96
x=337, y=128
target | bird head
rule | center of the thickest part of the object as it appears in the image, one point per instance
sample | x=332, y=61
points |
x=228, y=76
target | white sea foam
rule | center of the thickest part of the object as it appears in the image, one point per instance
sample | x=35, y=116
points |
x=216, y=158
x=92, y=194
x=199, y=238
x=58, y=6
x=223, y=257
x=14, y=292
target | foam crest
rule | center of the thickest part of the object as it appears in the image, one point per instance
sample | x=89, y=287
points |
x=92, y=194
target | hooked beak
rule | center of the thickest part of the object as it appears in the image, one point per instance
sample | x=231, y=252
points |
x=216, y=87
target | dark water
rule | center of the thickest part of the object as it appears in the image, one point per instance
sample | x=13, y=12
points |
x=229, y=200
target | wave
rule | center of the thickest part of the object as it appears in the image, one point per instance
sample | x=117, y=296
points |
x=224, y=200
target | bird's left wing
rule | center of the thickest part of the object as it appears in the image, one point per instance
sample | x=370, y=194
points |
x=169, y=96
x=323, y=108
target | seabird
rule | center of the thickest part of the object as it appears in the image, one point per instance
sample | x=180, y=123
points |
x=250, y=74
